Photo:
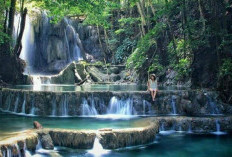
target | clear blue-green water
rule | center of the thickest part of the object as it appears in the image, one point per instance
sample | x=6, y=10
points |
x=92, y=87
x=10, y=124
x=175, y=145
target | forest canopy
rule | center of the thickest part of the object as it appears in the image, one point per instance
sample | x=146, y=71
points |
x=193, y=37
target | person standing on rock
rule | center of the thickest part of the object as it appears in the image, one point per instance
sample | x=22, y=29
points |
x=152, y=86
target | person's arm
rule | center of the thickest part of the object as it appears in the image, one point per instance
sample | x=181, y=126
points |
x=156, y=82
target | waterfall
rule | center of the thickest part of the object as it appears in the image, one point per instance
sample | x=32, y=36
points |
x=189, y=128
x=23, y=107
x=64, y=106
x=146, y=106
x=88, y=110
x=32, y=112
x=27, y=52
x=173, y=104
x=16, y=104
x=213, y=107
x=18, y=151
x=36, y=82
x=162, y=130
x=9, y=152
x=97, y=149
x=218, y=129
x=8, y=102
x=54, y=106
x=120, y=107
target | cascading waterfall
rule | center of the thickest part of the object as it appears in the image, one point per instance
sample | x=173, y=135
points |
x=218, y=129
x=32, y=112
x=64, y=105
x=54, y=106
x=121, y=107
x=189, y=128
x=88, y=110
x=16, y=104
x=8, y=102
x=24, y=105
x=173, y=104
x=213, y=107
x=146, y=107
x=162, y=130
x=38, y=48
x=98, y=149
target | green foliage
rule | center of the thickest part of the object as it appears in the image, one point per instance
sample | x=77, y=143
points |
x=226, y=68
x=124, y=50
x=155, y=67
x=138, y=58
x=182, y=69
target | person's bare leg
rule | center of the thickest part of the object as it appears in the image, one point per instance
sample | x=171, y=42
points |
x=154, y=95
x=151, y=94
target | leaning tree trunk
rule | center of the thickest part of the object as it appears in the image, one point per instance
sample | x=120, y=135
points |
x=11, y=18
x=18, y=46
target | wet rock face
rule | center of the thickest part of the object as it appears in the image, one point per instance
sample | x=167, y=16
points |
x=114, y=139
x=53, y=46
x=46, y=140
x=191, y=103
x=73, y=139
x=195, y=124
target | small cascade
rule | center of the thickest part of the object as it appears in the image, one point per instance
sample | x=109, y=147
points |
x=24, y=105
x=54, y=106
x=88, y=110
x=9, y=152
x=189, y=128
x=98, y=149
x=39, y=80
x=64, y=106
x=213, y=107
x=32, y=112
x=121, y=107
x=146, y=107
x=36, y=83
x=6, y=107
x=26, y=151
x=162, y=130
x=16, y=104
x=38, y=146
x=218, y=129
x=18, y=150
x=173, y=104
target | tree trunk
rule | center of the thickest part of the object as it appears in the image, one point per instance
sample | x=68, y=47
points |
x=202, y=17
x=142, y=15
x=18, y=46
x=11, y=18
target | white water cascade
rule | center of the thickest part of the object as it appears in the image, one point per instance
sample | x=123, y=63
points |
x=16, y=104
x=218, y=129
x=173, y=104
x=121, y=107
x=213, y=107
x=39, y=47
x=88, y=110
x=98, y=149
